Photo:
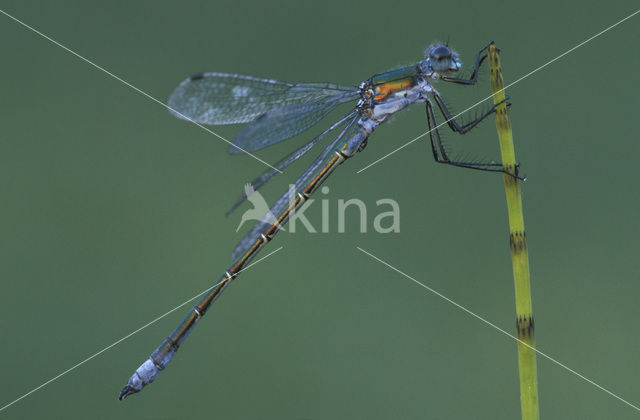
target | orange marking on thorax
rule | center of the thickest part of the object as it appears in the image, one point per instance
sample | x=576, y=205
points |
x=388, y=88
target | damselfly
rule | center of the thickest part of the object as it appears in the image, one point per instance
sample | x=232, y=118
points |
x=276, y=111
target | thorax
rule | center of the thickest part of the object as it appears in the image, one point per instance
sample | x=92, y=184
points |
x=387, y=93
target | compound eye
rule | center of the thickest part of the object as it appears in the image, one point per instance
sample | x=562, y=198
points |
x=441, y=53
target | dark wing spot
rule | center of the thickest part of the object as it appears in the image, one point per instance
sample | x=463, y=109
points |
x=196, y=77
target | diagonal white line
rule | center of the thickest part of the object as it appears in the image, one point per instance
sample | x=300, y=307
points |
x=498, y=328
x=125, y=337
x=508, y=86
x=86, y=60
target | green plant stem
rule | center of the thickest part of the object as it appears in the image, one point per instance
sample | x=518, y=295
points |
x=518, y=243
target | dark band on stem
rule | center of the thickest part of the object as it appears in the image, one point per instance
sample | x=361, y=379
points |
x=525, y=327
x=518, y=241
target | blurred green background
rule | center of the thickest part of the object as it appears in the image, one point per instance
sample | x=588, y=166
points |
x=113, y=213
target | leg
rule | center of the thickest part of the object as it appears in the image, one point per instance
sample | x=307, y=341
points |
x=451, y=119
x=440, y=153
x=480, y=57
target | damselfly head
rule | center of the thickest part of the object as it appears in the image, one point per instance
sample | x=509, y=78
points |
x=441, y=59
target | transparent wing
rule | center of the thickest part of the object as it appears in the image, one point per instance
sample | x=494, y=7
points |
x=259, y=181
x=221, y=98
x=283, y=123
x=283, y=201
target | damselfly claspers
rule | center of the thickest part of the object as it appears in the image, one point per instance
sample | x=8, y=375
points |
x=276, y=111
